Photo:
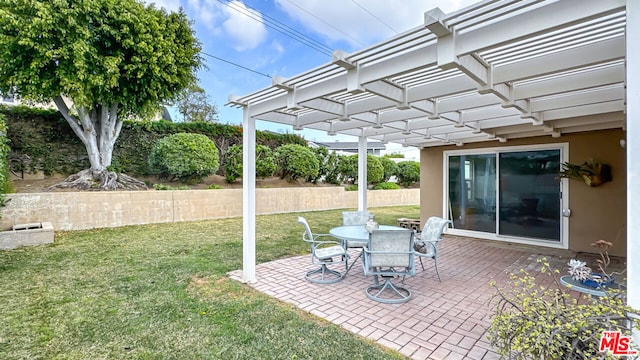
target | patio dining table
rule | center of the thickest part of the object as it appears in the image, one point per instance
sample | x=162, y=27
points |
x=356, y=236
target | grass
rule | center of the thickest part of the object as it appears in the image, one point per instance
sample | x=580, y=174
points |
x=161, y=292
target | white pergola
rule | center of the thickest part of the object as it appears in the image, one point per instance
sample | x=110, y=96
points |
x=494, y=71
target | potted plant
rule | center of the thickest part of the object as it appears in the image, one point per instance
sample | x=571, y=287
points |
x=592, y=172
x=532, y=321
x=579, y=270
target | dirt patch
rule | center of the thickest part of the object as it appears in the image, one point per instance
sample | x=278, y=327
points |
x=41, y=185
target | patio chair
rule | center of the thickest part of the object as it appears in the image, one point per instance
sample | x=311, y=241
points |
x=355, y=217
x=324, y=252
x=388, y=255
x=426, y=244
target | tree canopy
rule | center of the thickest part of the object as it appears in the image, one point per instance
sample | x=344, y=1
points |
x=195, y=105
x=110, y=58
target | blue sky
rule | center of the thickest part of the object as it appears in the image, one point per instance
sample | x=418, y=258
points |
x=240, y=32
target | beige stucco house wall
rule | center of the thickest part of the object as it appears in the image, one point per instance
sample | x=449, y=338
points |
x=596, y=213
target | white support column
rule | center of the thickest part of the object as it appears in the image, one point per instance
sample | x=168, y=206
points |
x=362, y=172
x=248, y=197
x=633, y=157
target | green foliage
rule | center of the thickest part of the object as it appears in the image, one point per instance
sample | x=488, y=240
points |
x=322, y=154
x=349, y=169
x=214, y=187
x=332, y=175
x=395, y=156
x=188, y=157
x=296, y=161
x=408, y=172
x=195, y=105
x=233, y=163
x=169, y=187
x=4, y=169
x=351, y=187
x=375, y=171
x=537, y=322
x=386, y=186
x=265, y=162
x=96, y=52
x=41, y=140
x=390, y=167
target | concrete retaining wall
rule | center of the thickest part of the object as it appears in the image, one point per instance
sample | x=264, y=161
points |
x=88, y=210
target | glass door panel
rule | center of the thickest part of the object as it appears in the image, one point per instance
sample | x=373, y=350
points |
x=472, y=192
x=529, y=204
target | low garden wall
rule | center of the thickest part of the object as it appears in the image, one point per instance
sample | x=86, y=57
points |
x=88, y=210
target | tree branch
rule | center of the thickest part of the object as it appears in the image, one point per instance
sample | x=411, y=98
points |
x=73, y=122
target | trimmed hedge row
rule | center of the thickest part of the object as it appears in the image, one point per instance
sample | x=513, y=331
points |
x=41, y=140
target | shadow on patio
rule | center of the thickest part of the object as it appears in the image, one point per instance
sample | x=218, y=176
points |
x=443, y=320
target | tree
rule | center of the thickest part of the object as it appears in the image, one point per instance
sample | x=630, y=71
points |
x=111, y=58
x=195, y=105
x=408, y=172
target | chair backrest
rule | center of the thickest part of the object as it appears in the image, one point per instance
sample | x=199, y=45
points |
x=391, y=248
x=432, y=230
x=355, y=217
x=307, y=235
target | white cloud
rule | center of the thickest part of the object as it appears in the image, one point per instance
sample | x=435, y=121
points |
x=243, y=26
x=170, y=5
x=344, y=20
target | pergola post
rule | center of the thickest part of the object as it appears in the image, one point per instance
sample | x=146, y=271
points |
x=362, y=172
x=248, y=197
x=633, y=156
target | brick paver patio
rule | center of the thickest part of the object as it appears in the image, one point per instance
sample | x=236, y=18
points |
x=443, y=320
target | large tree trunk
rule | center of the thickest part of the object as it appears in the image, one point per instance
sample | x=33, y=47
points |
x=98, y=128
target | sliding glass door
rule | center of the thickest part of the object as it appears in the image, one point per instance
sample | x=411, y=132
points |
x=506, y=193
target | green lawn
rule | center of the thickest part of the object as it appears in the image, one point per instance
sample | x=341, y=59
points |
x=161, y=292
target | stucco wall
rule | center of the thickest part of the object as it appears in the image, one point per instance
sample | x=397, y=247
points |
x=88, y=210
x=596, y=213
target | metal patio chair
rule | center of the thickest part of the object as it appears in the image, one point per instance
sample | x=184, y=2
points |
x=324, y=252
x=389, y=255
x=355, y=217
x=426, y=244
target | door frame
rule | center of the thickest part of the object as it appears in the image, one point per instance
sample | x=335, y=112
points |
x=564, y=201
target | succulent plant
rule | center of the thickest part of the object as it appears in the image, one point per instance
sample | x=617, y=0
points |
x=579, y=270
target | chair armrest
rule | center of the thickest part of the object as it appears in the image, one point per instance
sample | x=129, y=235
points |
x=425, y=248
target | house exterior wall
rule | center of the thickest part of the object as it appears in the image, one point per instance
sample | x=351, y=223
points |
x=596, y=213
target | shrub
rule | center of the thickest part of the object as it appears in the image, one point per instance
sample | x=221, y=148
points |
x=322, y=154
x=349, y=169
x=42, y=140
x=390, y=167
x=188, y=157
x=386, y=186
x=233, y=163
x=332, y=176
x=265, y=162
x=5, y=184
x=535, y=322
x=351, y=187
x=296, y=161
x=169, y=187
x=408, y=172
x=375, y=170
x=214, y=187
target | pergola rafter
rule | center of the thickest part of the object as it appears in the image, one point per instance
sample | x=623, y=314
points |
x=494, y=71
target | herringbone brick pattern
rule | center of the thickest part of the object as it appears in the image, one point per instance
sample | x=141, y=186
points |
x=443, y=320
